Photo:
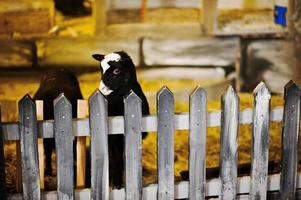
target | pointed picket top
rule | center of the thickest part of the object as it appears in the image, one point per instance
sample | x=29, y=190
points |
x=131, y=97
x=229, y=94
x=95, y=95
x=26, y=100
x=61, y=99
x=291, y=86
x=198, y=91
x=164, y=91
x=262, y=91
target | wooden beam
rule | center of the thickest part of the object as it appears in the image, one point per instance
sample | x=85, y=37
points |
x=209, y=17
x=100, y=17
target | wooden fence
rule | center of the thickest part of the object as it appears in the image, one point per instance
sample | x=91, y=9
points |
x=99, y=125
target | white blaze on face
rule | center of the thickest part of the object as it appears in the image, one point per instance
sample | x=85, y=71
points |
x=104, y=89
x=110, y=57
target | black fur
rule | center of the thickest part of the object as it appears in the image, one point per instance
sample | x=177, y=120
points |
x=51, y=85
x=121, y=84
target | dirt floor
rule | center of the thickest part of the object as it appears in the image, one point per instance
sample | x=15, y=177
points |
x=88, y=84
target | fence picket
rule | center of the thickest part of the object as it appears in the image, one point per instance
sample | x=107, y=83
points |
x=28, y=130
x=82, y=112
x=197, y=144
x=64, y=147
x=40, y=116
x=165, y=144
x=133, y=147
x=290, y=133
x=228, y=144
x=260, y=143
x=2, y=164
x=99, y=146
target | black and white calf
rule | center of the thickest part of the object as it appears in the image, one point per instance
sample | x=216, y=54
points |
x=118, y=79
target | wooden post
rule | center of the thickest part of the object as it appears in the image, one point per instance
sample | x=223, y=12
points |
x=260, y=142
x=28, y=131
x=40, y=116
x=165, y=144
x=64, y=147
x=143, y=10
x=100, y=17
x=290, y=135
x=133, y=146
x=209, y=17
x=197, y=144
x=82, y=112
x=294, y=27
x=229, y=144
x=98, y=115
x=2, y=164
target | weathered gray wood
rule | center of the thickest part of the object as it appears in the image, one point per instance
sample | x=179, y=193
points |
x=133, y=147
x=165, y=143
x=197, y=144
x=290, y=134
x=28, y=130
x=64, y=147
x=2, y=164
x=229, y=144
x=99, y=146
x=190, y=52
x=260, y=142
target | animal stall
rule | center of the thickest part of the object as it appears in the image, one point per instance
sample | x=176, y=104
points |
x=98, y=126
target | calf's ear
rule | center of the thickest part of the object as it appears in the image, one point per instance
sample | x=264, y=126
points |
x=98, y=57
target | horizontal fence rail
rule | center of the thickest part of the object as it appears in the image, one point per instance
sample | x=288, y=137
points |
x=132, y=124
x=149, y=123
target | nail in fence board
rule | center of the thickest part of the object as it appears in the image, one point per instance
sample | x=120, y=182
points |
x=197, y=144
x=228, y=142
x=28, y=130
x=165, y=144
x=260, y=142
x=64, y=147
x=290, y=133
x=133, y=146
x=2, y=166
x=99, y=146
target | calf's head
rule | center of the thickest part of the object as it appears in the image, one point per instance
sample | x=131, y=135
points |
x=117, y=70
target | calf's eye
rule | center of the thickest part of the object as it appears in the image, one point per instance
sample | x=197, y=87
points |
x=116, y=71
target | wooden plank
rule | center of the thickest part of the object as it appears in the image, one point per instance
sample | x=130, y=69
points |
x=149, y=123
x=64, y=147
x=29, y=148
x=133, y=146
x=290, y=136
x=37, y=16
x=2, y=164
x=99, y=146
x=190, y=52
x=181, y=190
x=260, y=142
x=40, y=116
x=82, y=112
x=77, y=53
x=197, y=144
x=165, y=143
x=229, y=144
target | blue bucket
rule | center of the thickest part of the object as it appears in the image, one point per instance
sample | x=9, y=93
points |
x=280, y=15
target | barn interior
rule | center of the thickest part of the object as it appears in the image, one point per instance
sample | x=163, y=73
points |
x=180, y=44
